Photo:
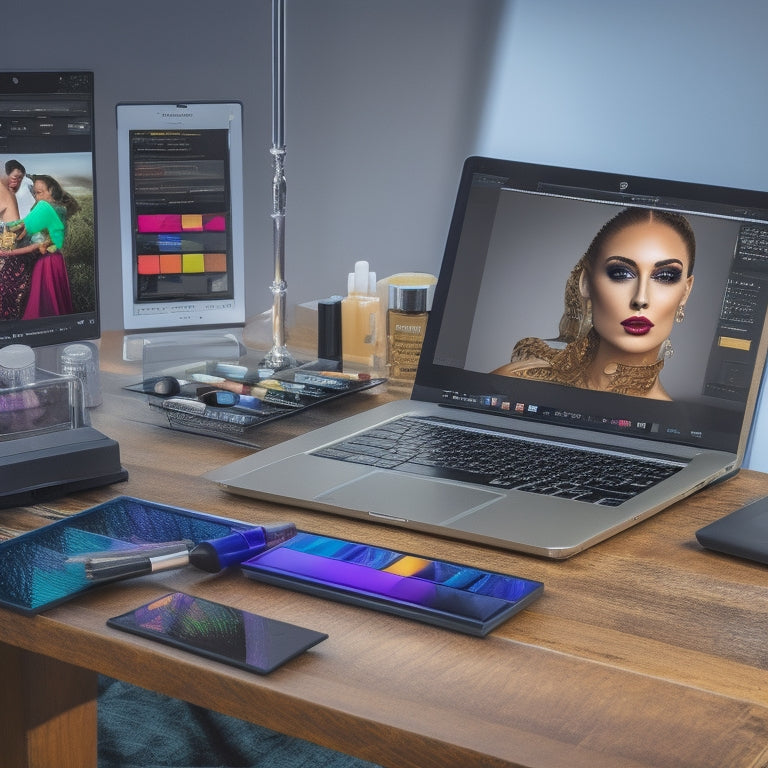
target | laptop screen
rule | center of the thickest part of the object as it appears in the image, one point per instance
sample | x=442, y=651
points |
x=566, y=297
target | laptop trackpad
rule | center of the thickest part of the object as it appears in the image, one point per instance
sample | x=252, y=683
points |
x=403, y=497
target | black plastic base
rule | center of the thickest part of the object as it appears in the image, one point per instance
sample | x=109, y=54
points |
x=47, y=466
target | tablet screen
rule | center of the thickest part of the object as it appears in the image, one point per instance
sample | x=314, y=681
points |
x=181, y=215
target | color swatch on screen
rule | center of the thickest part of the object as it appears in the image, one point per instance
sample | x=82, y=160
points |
x=180, y=263
x=180, y=222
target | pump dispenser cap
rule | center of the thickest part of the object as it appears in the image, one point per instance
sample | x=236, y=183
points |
x=361, y=282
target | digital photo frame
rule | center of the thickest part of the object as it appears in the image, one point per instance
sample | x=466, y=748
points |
x=181, y=215
x=48, y=268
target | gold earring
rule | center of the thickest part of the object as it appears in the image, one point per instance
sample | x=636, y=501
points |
x=680, y=314
x=666, y=349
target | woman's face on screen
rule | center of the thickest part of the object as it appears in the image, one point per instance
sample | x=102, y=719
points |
x=636, y=285
x=15, y=178
x=41, y=191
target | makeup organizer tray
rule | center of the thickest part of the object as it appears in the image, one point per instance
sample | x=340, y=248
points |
x=44, y=567
x=256, y=395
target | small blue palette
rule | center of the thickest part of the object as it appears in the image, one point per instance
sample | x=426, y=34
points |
x=449, y=595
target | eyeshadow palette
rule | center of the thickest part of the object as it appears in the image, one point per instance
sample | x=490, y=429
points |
x=44, y=567
x=39, y=569
x=178, y=222
x=446, y=594
x=180, y=263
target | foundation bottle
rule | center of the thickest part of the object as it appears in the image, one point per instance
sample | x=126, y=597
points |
x=407, y=316
x=382, y=289
x=359, y=317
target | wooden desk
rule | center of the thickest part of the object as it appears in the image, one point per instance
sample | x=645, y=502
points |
x=643, y=651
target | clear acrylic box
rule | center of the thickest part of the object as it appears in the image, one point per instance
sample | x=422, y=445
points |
x=51, y=403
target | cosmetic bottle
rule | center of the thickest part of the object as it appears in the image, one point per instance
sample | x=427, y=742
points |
x=382, y=290
x=81, y=360
x=329, y=344
x=17, y=369
x=17, y=365
x=407, y=314
x=359, y=314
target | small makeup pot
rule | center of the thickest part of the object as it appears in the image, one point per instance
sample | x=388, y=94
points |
x=81, y=360
x=17, y=365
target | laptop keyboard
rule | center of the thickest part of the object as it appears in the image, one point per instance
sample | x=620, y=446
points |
x=451, y=450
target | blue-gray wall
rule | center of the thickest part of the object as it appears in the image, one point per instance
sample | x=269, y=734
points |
x=666, y=88
x=385, y=98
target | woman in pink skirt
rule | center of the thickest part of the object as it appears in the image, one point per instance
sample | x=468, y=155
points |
x=49, y=292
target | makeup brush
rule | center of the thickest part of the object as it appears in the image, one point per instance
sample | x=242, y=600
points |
x=212, y=555
x=123, y=563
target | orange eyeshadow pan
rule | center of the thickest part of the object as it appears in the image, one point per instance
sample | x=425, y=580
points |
x=148, y=264
x=215, y=262
x=192, y=222
x=170, y=263
x=408, y=565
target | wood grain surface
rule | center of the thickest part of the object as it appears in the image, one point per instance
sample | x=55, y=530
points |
x=645, y=650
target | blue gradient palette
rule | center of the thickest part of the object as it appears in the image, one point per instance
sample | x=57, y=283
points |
x=35, y=568
x=437, y=592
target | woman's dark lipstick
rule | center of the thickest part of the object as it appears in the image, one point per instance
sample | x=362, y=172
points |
x=637, y=326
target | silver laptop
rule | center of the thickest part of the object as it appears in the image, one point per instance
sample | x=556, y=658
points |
x=531, y=352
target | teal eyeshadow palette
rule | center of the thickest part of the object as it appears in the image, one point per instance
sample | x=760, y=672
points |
x=37, y=570
x=446, y=594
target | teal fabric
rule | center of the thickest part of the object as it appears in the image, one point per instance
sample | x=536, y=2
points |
x=142, y=729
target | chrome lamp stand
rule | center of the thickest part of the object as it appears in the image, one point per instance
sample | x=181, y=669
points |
x=278, y=357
